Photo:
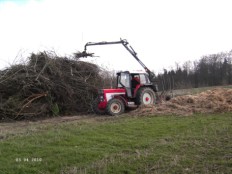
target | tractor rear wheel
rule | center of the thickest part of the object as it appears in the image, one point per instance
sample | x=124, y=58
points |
x=145, y=96
x=96, y=109
x=115, y=107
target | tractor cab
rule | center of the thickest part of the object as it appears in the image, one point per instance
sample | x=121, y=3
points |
x=131, y=82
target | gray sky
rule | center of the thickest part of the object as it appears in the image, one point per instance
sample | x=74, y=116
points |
x=162, y=32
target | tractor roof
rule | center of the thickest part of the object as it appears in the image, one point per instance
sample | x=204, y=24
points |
x=133, y=72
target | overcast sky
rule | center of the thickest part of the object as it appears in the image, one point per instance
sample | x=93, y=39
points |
x=162, y=32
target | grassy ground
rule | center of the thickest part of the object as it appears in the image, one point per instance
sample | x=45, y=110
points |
x=167, y=144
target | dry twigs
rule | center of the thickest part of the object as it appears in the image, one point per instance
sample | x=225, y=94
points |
x=218, y=100
x=47, y=85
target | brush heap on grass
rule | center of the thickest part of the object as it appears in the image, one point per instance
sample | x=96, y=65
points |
x=218, y=100
x=47, y=85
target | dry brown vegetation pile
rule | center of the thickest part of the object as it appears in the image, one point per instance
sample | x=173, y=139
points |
x=47, y=85
x=218, y=100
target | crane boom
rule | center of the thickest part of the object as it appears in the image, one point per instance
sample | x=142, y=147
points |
x=128, y=48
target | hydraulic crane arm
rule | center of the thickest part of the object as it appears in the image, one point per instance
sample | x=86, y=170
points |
x=128, y=47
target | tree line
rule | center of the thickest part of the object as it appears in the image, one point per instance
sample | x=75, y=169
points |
x=210, y=70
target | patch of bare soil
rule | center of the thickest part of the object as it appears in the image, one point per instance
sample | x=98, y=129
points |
x=217, y=100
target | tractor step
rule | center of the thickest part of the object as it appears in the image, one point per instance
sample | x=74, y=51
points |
x=132, y=105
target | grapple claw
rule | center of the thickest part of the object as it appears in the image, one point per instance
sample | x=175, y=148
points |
x=83, y=54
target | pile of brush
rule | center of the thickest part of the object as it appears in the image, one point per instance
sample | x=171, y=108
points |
x=218, y=100
x=48, y=85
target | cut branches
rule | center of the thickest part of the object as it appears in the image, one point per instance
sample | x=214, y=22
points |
x=48, y=84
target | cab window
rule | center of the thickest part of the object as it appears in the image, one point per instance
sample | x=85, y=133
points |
x=124, y=80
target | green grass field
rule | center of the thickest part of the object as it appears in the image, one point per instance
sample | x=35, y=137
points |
x=164, y=144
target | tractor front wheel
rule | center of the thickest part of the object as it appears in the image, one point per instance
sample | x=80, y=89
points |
x=145, y=96
x=115, y=107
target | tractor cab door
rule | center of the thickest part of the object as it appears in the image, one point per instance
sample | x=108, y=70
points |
x=124, y=81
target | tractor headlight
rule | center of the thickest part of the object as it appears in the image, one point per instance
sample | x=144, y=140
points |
x=101, y=95
x=101, y=98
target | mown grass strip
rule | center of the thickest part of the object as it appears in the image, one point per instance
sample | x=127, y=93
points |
x=168, y=144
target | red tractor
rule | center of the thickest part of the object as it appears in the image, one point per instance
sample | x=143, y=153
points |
x=132, y=89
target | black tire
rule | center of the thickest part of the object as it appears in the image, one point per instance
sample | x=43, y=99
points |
x=95, y=108
x=115, y=107
x=145, y=96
